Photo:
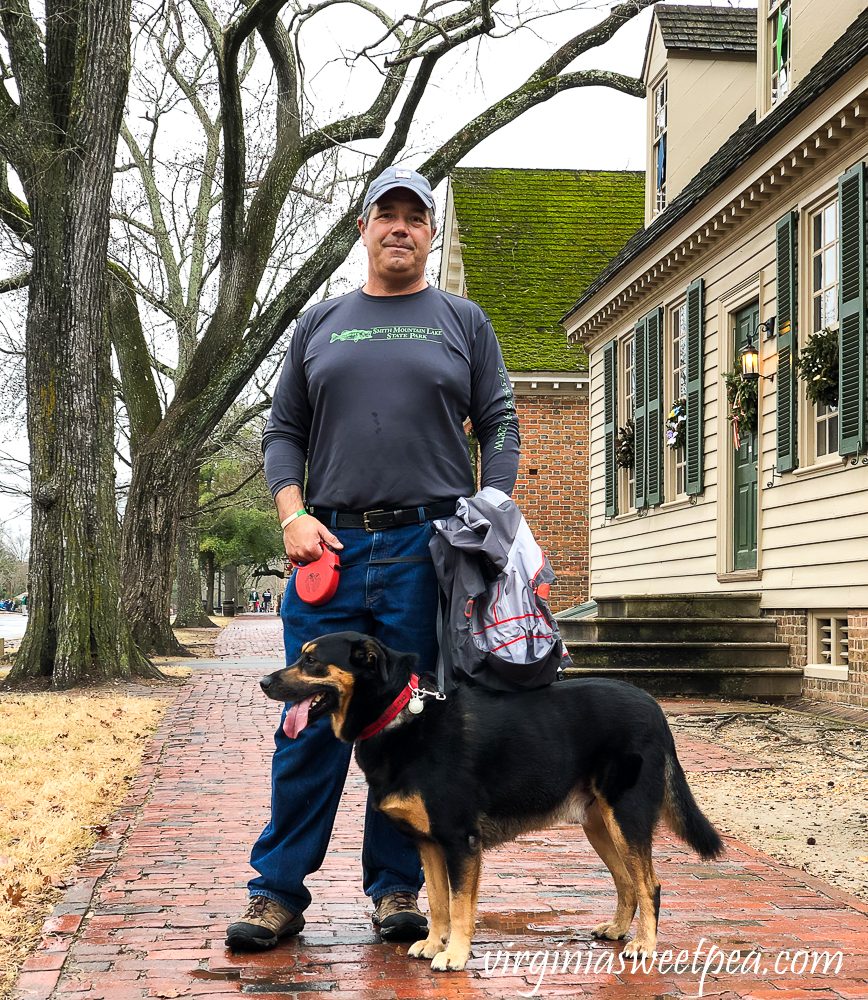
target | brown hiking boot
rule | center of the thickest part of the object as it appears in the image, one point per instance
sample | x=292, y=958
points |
x=398, y=918
x=262, y=925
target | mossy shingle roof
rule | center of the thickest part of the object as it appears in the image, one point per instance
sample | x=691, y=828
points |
x=720, y=29
x=532, y=241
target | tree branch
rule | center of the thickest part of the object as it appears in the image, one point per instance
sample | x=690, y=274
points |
x=28, y=65
x=13, y=284
x=125, y=325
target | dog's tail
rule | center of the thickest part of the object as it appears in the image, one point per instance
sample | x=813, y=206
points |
x=684, y=817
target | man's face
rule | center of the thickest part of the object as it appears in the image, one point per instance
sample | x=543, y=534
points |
x=398, y=237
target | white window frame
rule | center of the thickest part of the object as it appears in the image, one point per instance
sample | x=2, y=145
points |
x=659, y=135
x=626, y=411
x=775, y=7
x=675, y=460
x=808, y=415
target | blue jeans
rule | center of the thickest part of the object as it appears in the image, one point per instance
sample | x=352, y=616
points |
x=396, y=604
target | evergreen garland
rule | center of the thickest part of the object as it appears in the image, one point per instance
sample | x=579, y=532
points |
x=676, y=424
x=817, y=366
x=625, y=447
x=743, y=399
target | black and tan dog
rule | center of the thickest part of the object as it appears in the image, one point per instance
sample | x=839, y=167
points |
x=478, y=769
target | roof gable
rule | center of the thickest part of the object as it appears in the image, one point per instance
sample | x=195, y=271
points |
x=747, y=140
x=532, y=240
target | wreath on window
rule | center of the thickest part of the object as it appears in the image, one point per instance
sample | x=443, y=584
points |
x=743, y=399
x=676, y=424
x=817, y=366
x=625, y=446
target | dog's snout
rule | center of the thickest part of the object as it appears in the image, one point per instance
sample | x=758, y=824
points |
x=265, y=682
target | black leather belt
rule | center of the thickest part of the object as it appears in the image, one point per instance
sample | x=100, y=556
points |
x=377, y=520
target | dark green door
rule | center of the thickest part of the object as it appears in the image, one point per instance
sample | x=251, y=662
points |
x=744, y=507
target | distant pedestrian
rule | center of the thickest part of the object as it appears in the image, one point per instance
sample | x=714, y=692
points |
x=254, y=600
x=266, y=601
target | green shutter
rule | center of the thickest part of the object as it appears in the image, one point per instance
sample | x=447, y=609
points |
x=786, y=457
x=640, y=416
x=654, y=406
x=610, y=425
x=695, y=357
x=851, y=312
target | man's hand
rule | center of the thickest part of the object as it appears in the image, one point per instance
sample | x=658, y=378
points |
x=304, y=537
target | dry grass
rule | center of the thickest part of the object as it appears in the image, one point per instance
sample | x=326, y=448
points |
x=65, y=765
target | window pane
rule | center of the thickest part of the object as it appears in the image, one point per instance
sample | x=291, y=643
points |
x=831, y=306
x=818, y=273
x=830, y=264
x=818, y=231
x=818, y=315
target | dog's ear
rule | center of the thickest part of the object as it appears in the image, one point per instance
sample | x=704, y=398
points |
x=369, y=653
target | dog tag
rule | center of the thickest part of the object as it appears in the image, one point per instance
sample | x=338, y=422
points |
x=415, y=704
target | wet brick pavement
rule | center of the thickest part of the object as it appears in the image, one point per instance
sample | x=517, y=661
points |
x=146, y=914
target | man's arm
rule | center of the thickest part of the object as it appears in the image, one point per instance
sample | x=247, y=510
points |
x=492, y=412
x=285, y=443
x=304, y=536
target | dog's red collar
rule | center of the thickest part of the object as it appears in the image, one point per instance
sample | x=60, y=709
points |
x=393, y=709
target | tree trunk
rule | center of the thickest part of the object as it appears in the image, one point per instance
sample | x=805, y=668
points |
x=209, y=584
x=230, y=587
x=190, y=611
x=76, y=627
x=150, y=532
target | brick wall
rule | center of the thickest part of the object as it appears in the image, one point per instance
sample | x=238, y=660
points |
x=792, y=628
x=552, y=486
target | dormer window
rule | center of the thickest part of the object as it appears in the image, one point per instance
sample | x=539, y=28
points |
x=780, y=22
x=661, y=96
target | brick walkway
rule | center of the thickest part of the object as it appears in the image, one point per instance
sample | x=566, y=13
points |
x=147, y=912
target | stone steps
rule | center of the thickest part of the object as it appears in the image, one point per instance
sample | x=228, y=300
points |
x=683, y=644
x=596, y=630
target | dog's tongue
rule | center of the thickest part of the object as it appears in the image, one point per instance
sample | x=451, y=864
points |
x=296, y=717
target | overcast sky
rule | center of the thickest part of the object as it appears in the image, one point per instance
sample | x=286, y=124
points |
x=594, y=128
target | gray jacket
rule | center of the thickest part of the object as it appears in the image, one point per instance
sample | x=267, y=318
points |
x=497, y=627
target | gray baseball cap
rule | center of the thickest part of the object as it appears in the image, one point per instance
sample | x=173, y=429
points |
x=399, y=177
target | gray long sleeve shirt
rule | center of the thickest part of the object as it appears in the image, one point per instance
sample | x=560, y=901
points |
x=373, y=395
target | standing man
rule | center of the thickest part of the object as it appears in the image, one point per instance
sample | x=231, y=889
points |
x=266, y=600
x=373, y=397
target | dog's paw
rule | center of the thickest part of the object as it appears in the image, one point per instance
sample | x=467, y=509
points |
x=452, y=961
x=638, y=948
x=610, y=930
x=427, y=948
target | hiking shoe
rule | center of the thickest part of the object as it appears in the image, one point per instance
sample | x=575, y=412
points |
x=262, y=925
x=398, y=918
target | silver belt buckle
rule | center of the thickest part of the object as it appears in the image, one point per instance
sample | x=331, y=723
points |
x=366, y=515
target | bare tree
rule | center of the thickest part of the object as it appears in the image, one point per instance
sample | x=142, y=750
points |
x=266, y=151
x=60, y=136
x=243, y=328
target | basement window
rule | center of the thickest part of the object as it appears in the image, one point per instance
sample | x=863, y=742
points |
x=828, y=645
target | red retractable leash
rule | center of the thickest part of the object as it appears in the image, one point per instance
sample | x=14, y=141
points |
x=317, y=581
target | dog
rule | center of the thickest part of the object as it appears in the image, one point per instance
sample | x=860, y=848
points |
x=479, y=768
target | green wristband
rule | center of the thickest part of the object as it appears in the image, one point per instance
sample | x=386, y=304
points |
x=291, y=517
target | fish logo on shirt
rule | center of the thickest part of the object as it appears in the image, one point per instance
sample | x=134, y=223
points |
x=353, y=335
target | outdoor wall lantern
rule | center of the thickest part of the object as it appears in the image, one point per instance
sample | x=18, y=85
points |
x=750, y=354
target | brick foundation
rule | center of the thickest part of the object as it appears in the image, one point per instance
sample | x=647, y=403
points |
x=552, y=486
x=792, y=628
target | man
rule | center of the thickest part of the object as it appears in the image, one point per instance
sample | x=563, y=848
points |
x=372, y=398
x=266, y=600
